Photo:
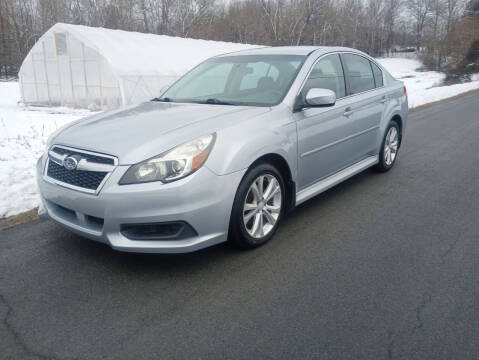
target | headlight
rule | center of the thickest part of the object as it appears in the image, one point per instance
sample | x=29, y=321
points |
x=175, y=164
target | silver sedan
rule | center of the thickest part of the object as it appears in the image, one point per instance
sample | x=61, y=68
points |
x=226, y=151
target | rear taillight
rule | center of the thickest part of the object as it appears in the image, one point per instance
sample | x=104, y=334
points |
x=405, y=92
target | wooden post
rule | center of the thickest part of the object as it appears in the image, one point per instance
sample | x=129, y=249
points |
x=22, y=92
x=67, y=40
x=35, y=77
x=46, y=73
x=98, y=60
x=84, y=70
x=58, y=69
x=121, y=86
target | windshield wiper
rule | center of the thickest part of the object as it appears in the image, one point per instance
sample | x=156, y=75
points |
x=166, y=99
x=215, y=101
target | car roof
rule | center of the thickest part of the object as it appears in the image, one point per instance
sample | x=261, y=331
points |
x=291, y=50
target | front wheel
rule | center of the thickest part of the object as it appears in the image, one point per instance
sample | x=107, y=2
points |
x=389, y=148
x=258, y=207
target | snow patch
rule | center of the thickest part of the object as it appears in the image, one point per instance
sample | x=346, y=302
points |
x=424, y=87
x=23, y=135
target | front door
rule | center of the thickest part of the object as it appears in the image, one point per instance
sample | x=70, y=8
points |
x=333, y=138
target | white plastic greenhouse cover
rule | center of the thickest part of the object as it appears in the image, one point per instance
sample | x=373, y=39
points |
x=98, y=68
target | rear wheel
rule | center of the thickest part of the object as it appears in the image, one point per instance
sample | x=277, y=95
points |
x=258, y=207
x=389, y=148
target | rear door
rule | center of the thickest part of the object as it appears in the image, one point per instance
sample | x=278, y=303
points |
x=366, y=102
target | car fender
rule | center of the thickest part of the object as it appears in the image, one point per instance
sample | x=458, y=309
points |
x=396, y=106
x=236, y=149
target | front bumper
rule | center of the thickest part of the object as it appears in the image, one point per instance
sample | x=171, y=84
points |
x=203, y=200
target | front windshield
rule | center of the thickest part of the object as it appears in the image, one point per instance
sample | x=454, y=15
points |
x=256, y=80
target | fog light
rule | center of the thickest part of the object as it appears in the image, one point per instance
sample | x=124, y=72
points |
x=175, y=230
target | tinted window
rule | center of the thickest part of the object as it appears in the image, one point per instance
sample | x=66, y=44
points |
x=327, y=74
x=378, y=75
x=260, y=80
x=360, y=74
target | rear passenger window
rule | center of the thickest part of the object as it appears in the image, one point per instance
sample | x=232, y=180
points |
x=327, y=74
x=378, y=75
x=360, y=75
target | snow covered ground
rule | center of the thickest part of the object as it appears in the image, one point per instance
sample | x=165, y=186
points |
x=23, y=135
x=423, y=87
x=25, y=130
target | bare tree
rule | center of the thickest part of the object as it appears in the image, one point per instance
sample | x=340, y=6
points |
x=390, y=18
x=420, y=10
x=374, y=26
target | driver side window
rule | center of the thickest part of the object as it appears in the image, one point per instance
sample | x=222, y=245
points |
x=327, y=74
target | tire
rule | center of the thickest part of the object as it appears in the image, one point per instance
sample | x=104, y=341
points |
x=250, y=211
x=389, y=147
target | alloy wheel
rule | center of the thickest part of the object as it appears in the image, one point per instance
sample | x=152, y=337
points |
x=391, y=144
x=262, y=205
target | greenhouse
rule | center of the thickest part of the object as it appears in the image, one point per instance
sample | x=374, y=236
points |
x=96, y=68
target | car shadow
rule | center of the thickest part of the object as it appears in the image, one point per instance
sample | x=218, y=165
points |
x=212, y=256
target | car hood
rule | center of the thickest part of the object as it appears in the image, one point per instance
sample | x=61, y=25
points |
x=137, y=133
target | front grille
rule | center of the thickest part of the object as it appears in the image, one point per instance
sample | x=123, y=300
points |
x=89, y=157
x=92, y=168
x=81, y=178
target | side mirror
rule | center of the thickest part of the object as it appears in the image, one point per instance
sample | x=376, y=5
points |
x=320, y=97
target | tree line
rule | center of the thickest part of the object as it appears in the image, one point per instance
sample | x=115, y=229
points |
x=443, y=31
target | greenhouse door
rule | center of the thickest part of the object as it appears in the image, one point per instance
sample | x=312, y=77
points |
x=64, y=72
x=85, y=78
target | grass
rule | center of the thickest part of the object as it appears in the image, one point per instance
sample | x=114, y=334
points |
x=20, y=219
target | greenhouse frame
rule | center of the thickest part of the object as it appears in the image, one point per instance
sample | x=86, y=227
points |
x=96, y=68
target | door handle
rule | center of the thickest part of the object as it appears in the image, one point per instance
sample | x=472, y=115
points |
x=383, y=99
x=348, y=112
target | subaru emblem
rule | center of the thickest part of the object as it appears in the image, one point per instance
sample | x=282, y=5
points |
x=70, y=163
